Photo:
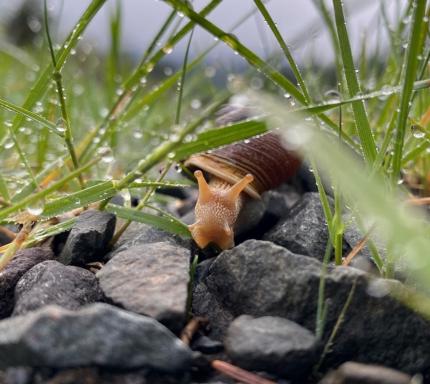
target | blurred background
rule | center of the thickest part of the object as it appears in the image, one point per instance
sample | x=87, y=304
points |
x=299, y=21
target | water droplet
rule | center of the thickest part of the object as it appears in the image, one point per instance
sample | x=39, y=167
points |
x=195, y=104
x=35, y=210
x=167, y=49
x=9, y=144
x=417, y=132
x=137, y=134
x=287, y=95
x=167, y=71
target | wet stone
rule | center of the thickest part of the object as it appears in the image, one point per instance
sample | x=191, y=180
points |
x=51, y=282
x=149, y=279
x=98, y=334
x=271, y=344
x=21, y=263
x=304, y=229
x=89, y=238
x=259, y=278
x=141, y=234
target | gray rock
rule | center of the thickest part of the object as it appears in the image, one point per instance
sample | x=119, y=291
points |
x=149, y=279
x=271, y=344
x=141, y=234
x=21, y=263
x=51, y=282
x=304, y=230
x=89, y=237
x=98, y=334
x=356, y=373
x=261, y=279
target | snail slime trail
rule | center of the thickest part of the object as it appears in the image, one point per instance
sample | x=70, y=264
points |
x=244, y=168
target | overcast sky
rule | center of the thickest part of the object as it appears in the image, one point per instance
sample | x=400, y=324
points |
x=297, y=20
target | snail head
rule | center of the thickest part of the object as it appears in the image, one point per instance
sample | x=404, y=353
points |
x=216, y=211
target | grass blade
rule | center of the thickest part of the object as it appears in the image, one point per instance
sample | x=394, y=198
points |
x=164, y=223
x=417, y=37
x=361, y=120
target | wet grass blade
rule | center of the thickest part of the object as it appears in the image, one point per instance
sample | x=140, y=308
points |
x=30, y=115
x=417, y=37
x=361, y=120
x=79, y=199
x=221, y=136
x=164, y=223
x=39, y=88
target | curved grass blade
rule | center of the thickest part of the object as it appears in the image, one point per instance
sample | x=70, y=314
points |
x=164, y=223
x=364, y=132
x=42, y=82
x=4, y=213
x=79, y=199
x=221, y=136
x=31, y=115
x=414, y=49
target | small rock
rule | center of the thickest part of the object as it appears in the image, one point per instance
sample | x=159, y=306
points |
x=149, y=279
x=356, y=373
x=21, y=263
x=304, y=230
x=89, y=237
x=259, y=278
x=271, y=344
x=98, y=334
x=141, y=234
x=51, y=282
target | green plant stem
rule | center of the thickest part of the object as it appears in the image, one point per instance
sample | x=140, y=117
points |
x=42, y=82
x=45, y=192
x=142, y=70
x=284, y=47
x=415, y=44
x=140, y=206
x=59, y=84
x=163, y=150
x=361, y=120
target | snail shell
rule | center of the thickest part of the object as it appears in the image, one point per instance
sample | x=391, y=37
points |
x=265, y=157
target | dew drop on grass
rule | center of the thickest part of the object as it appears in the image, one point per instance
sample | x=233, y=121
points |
x=143, y=80
x=8, y=144
x=137, y=134
x=167, y=71
x=196, y=104
x=287, y=95
x=35, y=210
x=167, y=49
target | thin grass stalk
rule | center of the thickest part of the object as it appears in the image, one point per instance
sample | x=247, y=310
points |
x=141, y=205
x=361, y=120
x=143, y=69
x=163, y=150
x=415, y=45
x=266, y=15
x=151, y=190
x=68, y=138
x=45, y=192
x=322, y=303
x=336, y=327
x=39, y=88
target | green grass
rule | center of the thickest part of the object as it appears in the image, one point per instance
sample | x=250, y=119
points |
x=71, y=140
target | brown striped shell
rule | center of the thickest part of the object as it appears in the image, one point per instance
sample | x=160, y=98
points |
x=265, y=157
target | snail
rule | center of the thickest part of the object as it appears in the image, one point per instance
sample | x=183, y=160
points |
x=236, y=173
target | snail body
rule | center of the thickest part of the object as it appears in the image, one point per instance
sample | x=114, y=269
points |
x=236, y=172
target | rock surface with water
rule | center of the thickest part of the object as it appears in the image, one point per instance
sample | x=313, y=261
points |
x=20, y=264
x=150, y=279
x=89, y=237
x=98, y=334
x=271, y=344
x=51, y=282
x=259, y=278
